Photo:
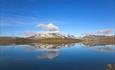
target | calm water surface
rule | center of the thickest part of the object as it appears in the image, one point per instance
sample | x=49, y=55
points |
x=56, y=57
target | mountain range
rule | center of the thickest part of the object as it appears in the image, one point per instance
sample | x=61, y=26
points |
x=43, y=35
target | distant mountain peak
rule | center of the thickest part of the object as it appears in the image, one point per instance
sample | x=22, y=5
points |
x=51, y=34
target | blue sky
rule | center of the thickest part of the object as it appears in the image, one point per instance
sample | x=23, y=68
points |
x=71, y=16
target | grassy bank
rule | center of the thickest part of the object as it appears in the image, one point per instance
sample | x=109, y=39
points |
x=9, y=40
x=86, y=40
x=99, y=40
x=17, y=40
x=57, y=40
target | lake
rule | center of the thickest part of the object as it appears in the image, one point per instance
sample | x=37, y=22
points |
x=56, y=56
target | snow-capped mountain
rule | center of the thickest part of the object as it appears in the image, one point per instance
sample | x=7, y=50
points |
x=51, y=34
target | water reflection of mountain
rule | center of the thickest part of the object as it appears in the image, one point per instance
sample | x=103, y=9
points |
x=52, y=50
x=92, y=44
x=51, y=46
x=100, y=46
x=58, y=46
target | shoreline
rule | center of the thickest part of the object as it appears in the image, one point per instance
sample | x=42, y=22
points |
x=86, y=41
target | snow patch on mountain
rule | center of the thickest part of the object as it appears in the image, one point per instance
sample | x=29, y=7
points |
x=51, y=34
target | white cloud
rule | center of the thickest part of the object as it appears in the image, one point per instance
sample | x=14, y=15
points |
x=100, y=32
x=105, y=31
x=49, y=27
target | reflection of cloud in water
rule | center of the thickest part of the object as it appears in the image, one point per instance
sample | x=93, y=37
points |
x=49, y=55
x=52, y=49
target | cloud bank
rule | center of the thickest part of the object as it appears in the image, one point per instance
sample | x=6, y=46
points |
x=49, y=27
x=100, y=32
x=105, y=31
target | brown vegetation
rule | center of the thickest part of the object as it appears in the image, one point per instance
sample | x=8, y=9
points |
x=42, y=40
x=9, y=40
x=57, y=40
x=101, y=40
x=86, y=41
